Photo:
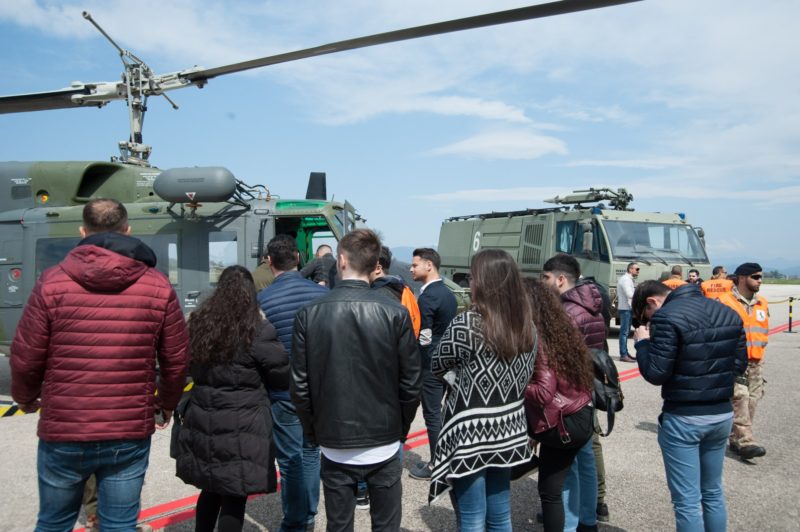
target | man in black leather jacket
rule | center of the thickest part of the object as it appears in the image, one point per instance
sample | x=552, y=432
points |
x=355, y=384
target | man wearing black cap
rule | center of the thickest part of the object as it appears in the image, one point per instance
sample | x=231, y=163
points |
x=749, y=389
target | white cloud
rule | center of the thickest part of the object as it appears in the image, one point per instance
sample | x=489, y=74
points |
x=509, y=144
x=684, y=188
x=536, y=194
x=653, y=164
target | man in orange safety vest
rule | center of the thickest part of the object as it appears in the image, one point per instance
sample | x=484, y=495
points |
x=749, y=389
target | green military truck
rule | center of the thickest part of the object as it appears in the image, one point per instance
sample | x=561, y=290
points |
x=603, y=237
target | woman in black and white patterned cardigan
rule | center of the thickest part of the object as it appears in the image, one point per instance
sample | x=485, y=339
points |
x=486, y=355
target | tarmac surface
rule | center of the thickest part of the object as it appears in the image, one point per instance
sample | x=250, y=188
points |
x=763, y=494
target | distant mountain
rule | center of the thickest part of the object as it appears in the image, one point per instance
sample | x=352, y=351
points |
x=787, y=267
x=405, y=253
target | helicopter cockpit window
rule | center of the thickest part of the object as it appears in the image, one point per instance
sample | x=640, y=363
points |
x=565, y=236
x=51, y=251
x=222, y=252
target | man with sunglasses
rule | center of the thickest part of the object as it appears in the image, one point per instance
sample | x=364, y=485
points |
x=625, y=287
x=749, y=389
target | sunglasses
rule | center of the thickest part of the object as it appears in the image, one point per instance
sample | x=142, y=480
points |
x=635, y=269
x=756, y=277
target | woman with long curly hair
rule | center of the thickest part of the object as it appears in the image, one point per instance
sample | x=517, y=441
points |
x=224, y=444
x=488, y=352
x=558, y=400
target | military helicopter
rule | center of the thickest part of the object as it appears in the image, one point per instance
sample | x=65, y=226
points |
x=197, y=220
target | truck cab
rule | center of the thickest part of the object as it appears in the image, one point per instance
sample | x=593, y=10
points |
x=603, y=238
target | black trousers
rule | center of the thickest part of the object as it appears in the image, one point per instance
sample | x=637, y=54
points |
x=340, y=483
x=431, y=395
x=225, y=511
x=553, y=467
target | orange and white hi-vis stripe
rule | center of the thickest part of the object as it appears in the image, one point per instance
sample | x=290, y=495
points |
x=756, y=322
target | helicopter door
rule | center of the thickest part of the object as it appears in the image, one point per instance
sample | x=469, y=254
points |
x=204, y=251
x=350, y=217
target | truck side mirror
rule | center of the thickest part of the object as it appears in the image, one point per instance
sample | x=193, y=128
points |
x=588, y=237
x=701, y=234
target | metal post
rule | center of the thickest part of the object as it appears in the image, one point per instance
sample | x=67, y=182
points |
x=790, y=313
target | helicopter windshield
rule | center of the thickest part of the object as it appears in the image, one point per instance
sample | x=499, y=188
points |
x=665, y=242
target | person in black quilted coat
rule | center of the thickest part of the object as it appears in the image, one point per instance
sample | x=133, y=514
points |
x=224, y=444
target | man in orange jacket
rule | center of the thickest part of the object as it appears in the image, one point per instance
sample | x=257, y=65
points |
x=394, y=285
x=718, y=284
x=676, y=278
x=749, y=389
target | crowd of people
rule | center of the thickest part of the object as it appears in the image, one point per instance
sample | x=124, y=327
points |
x=283, y=360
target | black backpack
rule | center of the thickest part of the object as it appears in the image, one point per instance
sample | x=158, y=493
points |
x=607, y=394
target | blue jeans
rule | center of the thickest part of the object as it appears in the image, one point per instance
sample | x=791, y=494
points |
x=63, y=468
x=482, y=500
x=624, y=330
x=580, y=490
x=299, y=467
x=693, y=459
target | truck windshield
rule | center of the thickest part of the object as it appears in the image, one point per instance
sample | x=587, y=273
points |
x=649, y=240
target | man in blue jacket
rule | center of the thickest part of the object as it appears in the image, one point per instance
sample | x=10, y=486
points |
x=298, y=459
x=694, y=347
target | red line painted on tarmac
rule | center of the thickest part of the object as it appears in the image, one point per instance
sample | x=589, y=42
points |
x=416, y=434
x=168, y=507
x=414, y=444
x=173, y=519
x=779, y=328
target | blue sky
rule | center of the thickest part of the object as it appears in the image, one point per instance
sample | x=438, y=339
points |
x=692, y=106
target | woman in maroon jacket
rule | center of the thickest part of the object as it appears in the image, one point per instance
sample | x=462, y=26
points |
x=558, y=400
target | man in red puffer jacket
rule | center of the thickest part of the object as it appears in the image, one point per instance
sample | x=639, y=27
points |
x=85, y=351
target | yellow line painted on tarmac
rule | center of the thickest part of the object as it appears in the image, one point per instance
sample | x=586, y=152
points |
x=13, y=410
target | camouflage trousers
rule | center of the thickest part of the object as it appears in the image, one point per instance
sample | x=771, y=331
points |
x=746, y=395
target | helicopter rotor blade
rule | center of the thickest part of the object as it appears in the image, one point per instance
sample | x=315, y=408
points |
x=45, y=101
x=560, y=7
x=99, y=94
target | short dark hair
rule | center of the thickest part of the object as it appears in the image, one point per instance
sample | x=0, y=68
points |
x=630, y=265
x=643, y=291
x=564, y=264
x=282, y=251
x=362, y=248
x=428, y=254
x=694, y=270
x=717, y=269
x=385, y=258
x=104, y=215
x=677, y=270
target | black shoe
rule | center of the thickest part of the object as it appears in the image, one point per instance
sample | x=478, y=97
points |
x=602, y=512
x=586, y=528
x=751, y=451
x=362, y=500
x=421, y=471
